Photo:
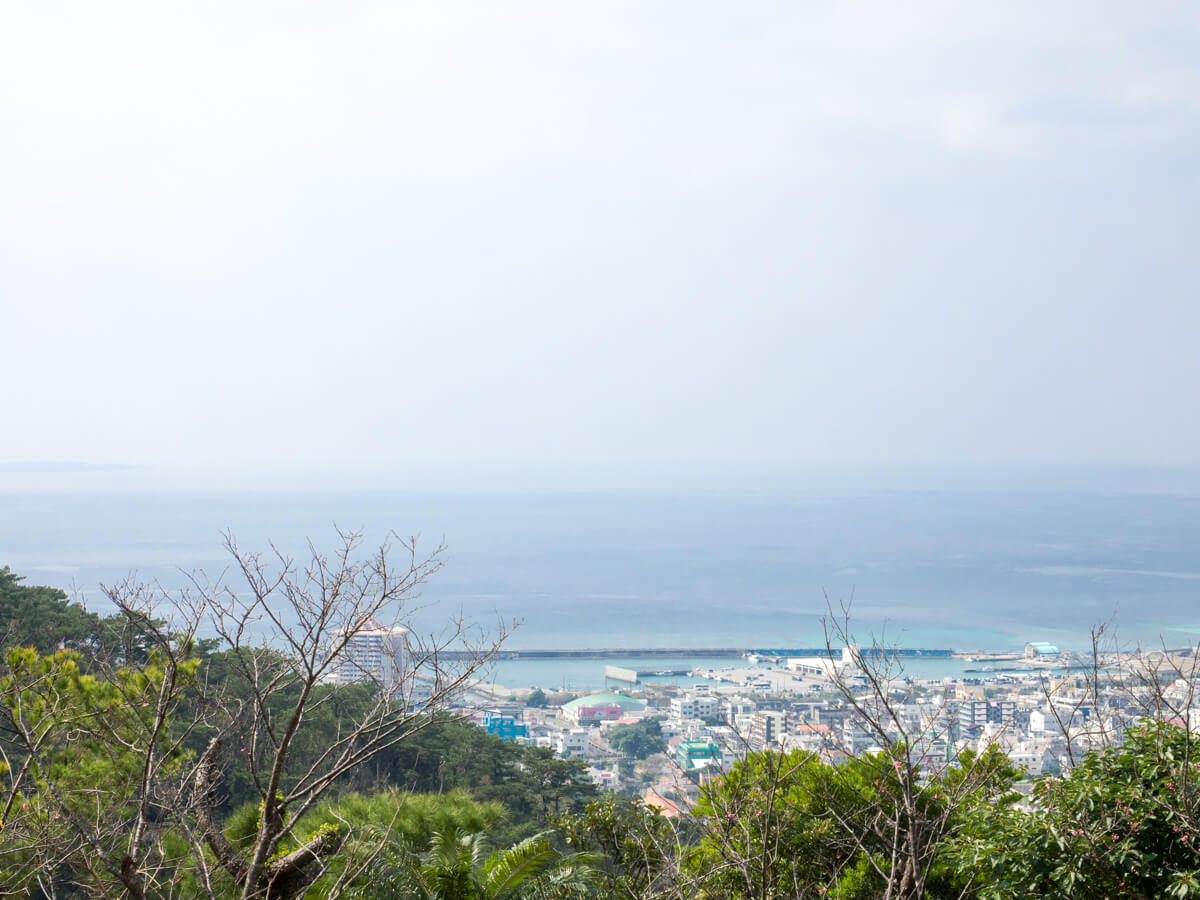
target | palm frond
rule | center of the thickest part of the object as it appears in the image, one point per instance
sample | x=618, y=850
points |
x=505, y=871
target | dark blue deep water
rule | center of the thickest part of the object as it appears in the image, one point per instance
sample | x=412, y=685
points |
x=937, y=569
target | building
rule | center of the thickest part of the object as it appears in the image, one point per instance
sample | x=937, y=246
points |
x=1037, y=649
x=1003, y=712
x=738, y=711
x=596, y=708
x=573, y=743
x=605, y=779
x=733, y=745
x=972, y=716
x=807, y=736
x=507, y=728
x=696, y=757
x=695, y=706
x=827, y=665
x=766, y=728
x=666, y=807
x=372, y=652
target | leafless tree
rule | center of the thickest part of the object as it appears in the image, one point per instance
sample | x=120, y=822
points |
x=916, y=807
x=313, y=613
x=288, y=637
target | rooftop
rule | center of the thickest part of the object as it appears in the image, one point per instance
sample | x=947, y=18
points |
x=606, y=699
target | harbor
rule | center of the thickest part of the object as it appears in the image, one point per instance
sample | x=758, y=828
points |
x=714, y=652
x=596, y=669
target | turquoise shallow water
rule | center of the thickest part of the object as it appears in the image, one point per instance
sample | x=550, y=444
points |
x=588, y=674
x=951, y=569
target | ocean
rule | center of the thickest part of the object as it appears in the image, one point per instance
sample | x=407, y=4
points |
x=937, y=569
x=589, y=674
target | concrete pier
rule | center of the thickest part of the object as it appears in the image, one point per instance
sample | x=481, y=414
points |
x=683, y=652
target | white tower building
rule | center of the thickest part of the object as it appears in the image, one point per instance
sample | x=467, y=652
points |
x=373, y=652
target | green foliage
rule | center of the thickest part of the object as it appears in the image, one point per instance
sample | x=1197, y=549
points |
x=1124, y=822
x=93, y=734
x=770, y=833
x=530, y=782
x=412, y=818
x=331, y=710
x=395, y=820
x=637, y=739
x=42, y=617
x=537, y=698
x=636, y=847
x=456, y=866
x=81, y=746
x=241, y=826
x=788, y=824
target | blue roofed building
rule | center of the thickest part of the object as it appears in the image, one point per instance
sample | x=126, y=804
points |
x=507, y=728
x=1037, y=649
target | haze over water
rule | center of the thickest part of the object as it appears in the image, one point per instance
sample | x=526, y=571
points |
x=382, y=238
x=937, y=568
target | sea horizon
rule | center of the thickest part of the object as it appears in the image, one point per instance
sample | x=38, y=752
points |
x=956, y=569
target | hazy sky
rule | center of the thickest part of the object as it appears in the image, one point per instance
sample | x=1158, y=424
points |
x=394, y=234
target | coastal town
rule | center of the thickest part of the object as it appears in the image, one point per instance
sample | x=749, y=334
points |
x=662, y=741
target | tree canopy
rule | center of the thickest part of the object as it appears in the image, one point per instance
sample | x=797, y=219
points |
x=637, y=739
x=42, y=617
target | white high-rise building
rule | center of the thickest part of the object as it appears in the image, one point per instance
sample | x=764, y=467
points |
x=375, y=653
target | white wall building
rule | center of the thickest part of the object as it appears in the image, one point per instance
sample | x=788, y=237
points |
x=767, y=728
x=573, y=743
x=695, y=706
x=373, y=652
x=605, y=779
x=736, y=710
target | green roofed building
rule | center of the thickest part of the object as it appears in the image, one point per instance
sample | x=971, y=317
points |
x=696, y=757
x=596, y=708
